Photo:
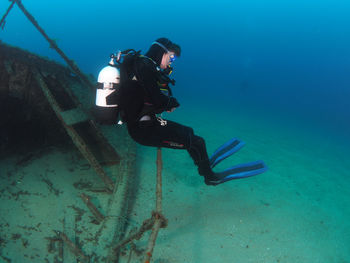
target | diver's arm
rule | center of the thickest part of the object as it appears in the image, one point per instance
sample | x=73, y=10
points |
x=148, y=77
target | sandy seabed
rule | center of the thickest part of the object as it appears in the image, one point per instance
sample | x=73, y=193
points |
x=298, y=211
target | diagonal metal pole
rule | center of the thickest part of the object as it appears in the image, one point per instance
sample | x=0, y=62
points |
x=2, y=22
x=53, y=45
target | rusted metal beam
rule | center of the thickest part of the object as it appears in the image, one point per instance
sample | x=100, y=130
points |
x=2, y=22
x=72, y=246
x=93, y=209
x=160, y=220
x=53, y=45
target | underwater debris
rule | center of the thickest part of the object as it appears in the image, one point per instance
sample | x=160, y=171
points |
x=80, y=212
x=146, y=225
x=51, y=187
x=25, y=242
x=51, y=246
x=2, y=242
x=18, y=194
x=93, y=209
x=81, y=184
x=16, y=236
x=42, y=129
x=72, y=246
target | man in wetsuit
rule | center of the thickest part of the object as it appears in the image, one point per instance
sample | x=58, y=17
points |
x=144, y=98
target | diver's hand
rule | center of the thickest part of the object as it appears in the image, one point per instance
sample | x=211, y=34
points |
x=173, y=104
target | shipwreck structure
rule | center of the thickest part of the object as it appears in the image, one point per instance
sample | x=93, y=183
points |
x=39, y=109
x=45, y=105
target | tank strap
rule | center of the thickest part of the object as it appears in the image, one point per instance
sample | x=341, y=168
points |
x=110, y=86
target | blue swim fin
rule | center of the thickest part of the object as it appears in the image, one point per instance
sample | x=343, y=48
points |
x=237, y=172
x=225, y=151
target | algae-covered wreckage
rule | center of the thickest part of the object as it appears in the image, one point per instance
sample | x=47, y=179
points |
x=65, y=182
x=66, y=213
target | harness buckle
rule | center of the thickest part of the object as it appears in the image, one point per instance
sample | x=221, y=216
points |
x=162, y=122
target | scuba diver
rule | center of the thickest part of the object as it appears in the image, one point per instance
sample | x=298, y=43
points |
x=145, y=93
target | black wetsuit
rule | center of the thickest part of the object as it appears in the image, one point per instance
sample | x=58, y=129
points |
x=142, y=100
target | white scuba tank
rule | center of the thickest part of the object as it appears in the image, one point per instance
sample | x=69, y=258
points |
x=108, y=80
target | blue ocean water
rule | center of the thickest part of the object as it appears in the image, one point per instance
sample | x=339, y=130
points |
x=277, y=63
x=291, y=57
